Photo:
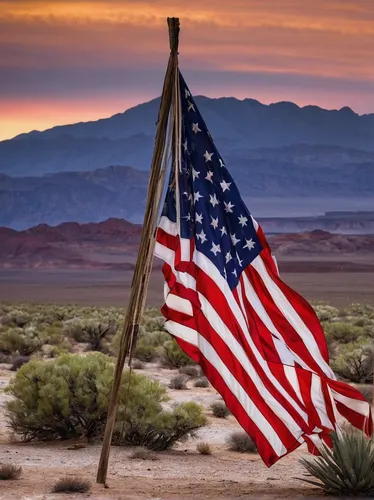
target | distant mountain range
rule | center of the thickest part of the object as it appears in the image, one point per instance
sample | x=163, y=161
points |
x=113, y=244
x=237, y=126
x=75, y=172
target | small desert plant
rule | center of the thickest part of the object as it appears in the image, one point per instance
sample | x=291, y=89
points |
x=240, y=441
x=71, y=485
x=160, y=432
x=326, y=312
x=204, y=449
x=20, y=341
x=201, y=382
x=174, y=356
x=144, y=351
x=344, y=333
x=9, y=472
x=355, y=362
x=178, y=382
x=190, y=371
x=219, y=409
x=143, y=454
x=347, y=469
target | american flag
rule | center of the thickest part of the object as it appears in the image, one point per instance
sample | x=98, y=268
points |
x=259, y=343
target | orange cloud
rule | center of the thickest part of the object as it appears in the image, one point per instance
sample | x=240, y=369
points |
x=67, y=40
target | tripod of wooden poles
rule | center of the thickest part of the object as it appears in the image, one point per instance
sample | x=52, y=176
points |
x=144, y=261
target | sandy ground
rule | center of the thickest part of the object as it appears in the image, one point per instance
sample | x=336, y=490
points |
x=178, y=474
x=112, y=288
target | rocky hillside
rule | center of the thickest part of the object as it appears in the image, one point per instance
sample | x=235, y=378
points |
x=120, y=191
x=113, y=244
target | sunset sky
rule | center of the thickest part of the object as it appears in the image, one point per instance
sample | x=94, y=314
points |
x=63, y=61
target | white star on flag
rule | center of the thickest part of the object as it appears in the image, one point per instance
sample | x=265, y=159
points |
x=235, y=273
x=243, y=220
x=197, y=196
x=228, y=207
x=215, y=249
x=195, y=174
x=234, y=239
x=225, y=186
x=195, y=128
x=185, y=145
x=250, y=244
x=221, y=163
x=214, y=222
x=202, y=236
x=208, y=156
x=223, y=230
x=199, y=218
x=187, y=93
x=239, y=260
x=209, y=176
x=213, y=200
x=228, y=257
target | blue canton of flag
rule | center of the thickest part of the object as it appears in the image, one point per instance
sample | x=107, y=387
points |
x=211, y=209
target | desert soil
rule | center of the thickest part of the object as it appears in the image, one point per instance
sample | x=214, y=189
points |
x=112, y=288
x=178, y=474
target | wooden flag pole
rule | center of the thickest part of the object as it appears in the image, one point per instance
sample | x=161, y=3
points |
x=145, y=255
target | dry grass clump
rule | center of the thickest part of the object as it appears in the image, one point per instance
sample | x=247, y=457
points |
x=241, y=442
x=9, y=472
x=220, y=410
x=178, y=382
x=71, y=485
x=201, y=382
x=204, y=449
x=190, y=371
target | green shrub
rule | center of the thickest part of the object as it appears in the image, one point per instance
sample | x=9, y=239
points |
x=174, y=356
x=355, y=362
x=68, y=397
x=20, y=341
x=91, y=332
x=360, y=310
x=240, y=441
x=344, y=333
x=164, y=429
x=326, y=312
x=347, y=469
x=19, y=318
x=144, y=352
x=220, y=410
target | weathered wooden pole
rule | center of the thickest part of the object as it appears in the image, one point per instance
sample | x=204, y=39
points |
x=145, y=255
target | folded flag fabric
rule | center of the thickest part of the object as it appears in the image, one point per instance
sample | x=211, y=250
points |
x=259, y=342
